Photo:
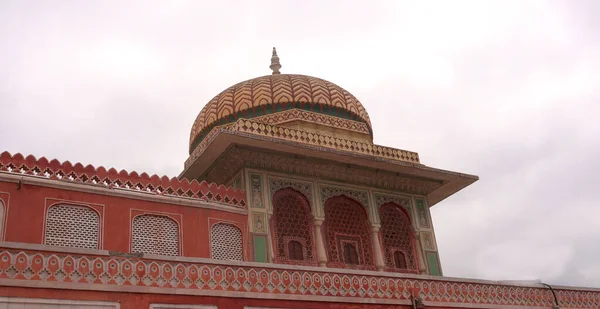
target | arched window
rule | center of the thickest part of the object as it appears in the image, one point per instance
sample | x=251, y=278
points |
x=72, y=226
x=154, y=234
x=350, y=254
x=295, y=251
x=396, y=235
x=2, y=214
x=346, y=222
x=400, y=260
x=226, y=242
x=292, y=227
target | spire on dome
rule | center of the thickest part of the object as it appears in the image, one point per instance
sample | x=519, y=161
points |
x=275, y=66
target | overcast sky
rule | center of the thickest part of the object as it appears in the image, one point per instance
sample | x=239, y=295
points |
x=506, y=90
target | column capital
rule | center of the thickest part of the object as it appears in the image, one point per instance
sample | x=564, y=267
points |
x=375, y=228
x=318, y=221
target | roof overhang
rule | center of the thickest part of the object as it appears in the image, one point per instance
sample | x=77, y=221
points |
x=203, y=159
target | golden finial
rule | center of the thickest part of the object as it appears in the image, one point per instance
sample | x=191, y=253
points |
x=275, y=66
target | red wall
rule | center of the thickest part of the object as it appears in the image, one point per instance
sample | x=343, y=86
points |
x=26, y=207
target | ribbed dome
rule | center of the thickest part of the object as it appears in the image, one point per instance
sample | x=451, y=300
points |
x=275, y=93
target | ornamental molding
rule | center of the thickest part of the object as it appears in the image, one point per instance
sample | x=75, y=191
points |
x=312, y=117
x=239, y=157
x=260, y=281
x=327, y=191
x=101, y=177
x=306, y=188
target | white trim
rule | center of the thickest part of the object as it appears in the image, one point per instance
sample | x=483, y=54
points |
x=172, y=306
x=61, y=302
x=119, y=192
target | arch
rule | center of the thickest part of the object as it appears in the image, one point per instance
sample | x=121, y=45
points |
x=396, y=235
x=72, y=226
x=226, y=242
x=347, y=222
x=2, y=215
x=292, y=221
x=155, y=234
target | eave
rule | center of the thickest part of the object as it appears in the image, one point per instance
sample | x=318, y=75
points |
x=224, y=138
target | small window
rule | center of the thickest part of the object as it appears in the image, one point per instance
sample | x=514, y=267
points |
x=350, y=254
x=400, y=260
x=295, y=251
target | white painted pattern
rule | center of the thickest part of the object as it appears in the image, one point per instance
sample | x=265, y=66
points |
x=226, y=242
x=153, y=234
x=72, y=226
x=40, y=303
x=173, y=306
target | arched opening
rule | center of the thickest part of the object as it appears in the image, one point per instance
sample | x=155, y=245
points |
x=347, y=232
x=400, y=260
x=396, y=234
x=292, y=228
x=295, y=251
x=350, y=254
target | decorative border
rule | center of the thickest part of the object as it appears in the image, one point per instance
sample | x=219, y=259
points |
x=422, y=213
x=312, y=117
x=128, y=181
x=246, y=280
x=98, y=208
x=259, y=222
x=328, y=191
x=305, y=188
x=427, y=241
x=256, y=191
x=402, y=201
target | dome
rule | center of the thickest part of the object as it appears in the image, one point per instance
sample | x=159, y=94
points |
x=277, y=93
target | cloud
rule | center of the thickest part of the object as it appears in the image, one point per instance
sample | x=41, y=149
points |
x=507, y=90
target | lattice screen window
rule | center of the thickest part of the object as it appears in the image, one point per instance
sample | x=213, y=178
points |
x=346, y=221
x=293, y=221
x=152, y=234
x=396, y=235
x=226, y=242
x=72, y=226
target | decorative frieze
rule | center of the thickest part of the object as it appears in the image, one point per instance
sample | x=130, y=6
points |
x=360, y=196
x=238, y=279
x=422, y=214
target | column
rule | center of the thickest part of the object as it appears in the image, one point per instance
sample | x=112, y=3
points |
x=321, y=254
x=420, y=257
x=377, y=254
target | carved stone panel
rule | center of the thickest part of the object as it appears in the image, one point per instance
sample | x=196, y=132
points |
x=276, y=184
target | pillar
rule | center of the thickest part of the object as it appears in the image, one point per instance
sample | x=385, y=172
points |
x=377, y=253
x=321, y=253
x=419, y=249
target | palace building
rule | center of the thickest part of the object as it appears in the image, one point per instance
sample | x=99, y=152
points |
x=284, y=202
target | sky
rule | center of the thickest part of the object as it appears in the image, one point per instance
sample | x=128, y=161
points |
x=506, y=90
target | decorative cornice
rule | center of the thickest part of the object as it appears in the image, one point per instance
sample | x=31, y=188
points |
x=237, y=157
x=259, y=129
x=276, y=183
x=321, y=119
x=66, y=172
x=188, y=276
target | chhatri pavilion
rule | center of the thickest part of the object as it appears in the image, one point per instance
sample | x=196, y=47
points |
x=284, y=202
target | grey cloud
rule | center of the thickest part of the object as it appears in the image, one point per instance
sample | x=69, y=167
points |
x=119, y=84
